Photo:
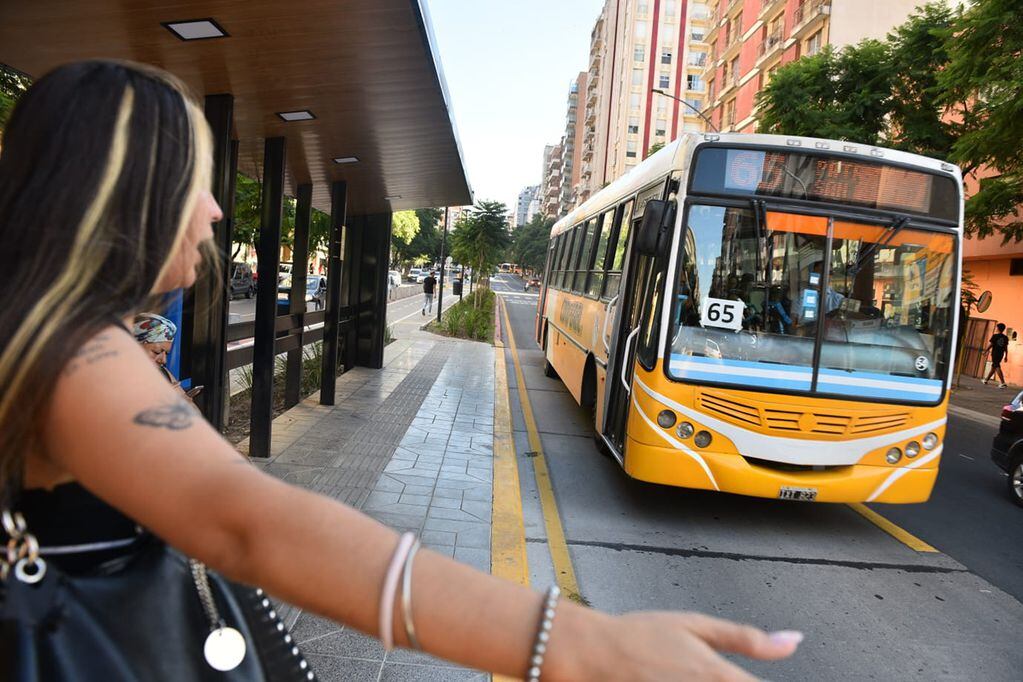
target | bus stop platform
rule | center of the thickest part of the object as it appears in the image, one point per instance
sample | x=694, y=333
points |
x=412, y=446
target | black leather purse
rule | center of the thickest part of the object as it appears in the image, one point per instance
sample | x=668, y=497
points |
x=151, y=615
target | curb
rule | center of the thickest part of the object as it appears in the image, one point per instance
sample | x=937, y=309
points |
x=973, y=415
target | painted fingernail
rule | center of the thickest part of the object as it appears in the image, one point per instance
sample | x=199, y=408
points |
x=786, y=637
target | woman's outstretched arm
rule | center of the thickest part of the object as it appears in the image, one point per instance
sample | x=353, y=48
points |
x=119, y=429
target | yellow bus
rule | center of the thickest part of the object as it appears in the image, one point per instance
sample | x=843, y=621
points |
x=764, y=315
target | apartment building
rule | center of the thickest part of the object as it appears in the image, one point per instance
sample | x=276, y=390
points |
x=525, y=206
x=550, y=188
x=750, y=39
x=637, y=47
x=561, y=174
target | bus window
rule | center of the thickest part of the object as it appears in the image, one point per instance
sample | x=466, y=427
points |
x=619, y=245
x=586, y=257
x=596, y=280
x=575, y=246
x=564, y=246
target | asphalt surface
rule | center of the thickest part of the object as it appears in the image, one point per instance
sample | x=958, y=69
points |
x=871, y=607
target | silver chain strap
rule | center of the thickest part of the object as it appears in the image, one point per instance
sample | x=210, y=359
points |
x=21, y=553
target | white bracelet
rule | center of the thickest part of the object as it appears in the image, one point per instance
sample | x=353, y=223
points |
x=406, y=597
x=543, y=635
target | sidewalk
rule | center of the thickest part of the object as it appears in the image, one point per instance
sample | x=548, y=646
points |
x=412, y=446
x=980, y=402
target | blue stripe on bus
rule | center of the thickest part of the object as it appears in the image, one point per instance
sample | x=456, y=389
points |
x=859, y=374
x=871, y=392
x=743, y=381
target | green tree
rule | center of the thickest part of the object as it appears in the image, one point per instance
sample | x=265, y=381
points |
x=531, y=240
x=404, y=228
x=247, y=219
x=425, y=246
x=481, y=236
x=12, y=86
x=982, y=85
x=844, y=95
x=654, y=148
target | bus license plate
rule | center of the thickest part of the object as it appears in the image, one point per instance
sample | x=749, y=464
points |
x=797, y=494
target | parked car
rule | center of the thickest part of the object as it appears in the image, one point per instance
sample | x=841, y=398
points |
x=532, y=282
x=1007, y=448
x=315, y=294
x=423, y=274
x=413, y=273
x=284, y=274
x=243, y=280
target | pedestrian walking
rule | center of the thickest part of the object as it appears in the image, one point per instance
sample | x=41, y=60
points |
x=429, y=284
x=105, y=466
x=998, y=347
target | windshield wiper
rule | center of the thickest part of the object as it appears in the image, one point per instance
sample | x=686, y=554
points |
x=896, y=227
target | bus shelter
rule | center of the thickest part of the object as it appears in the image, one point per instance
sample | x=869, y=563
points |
x=341, y=104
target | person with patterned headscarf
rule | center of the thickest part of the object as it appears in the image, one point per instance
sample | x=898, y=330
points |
x=156, y=334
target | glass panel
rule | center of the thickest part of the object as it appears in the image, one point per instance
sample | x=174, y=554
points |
x=586, y=259
x=623, y=240
x=887, y=326
x=596, y=280
x=563, y=249
x=747, y=296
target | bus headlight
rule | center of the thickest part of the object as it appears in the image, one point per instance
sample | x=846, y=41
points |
x=912, y=449
x=703, y=439
x=666, y=419
x=930, y=441
x=685, y=430
x=893, y=456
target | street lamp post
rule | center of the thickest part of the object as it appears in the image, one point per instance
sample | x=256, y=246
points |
x=695, y=110
x=443, y=242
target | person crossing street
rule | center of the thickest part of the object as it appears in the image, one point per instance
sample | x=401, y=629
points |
x=429, y=285
x=998, y=347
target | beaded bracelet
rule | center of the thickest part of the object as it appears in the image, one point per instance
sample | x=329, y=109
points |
x=543, y=635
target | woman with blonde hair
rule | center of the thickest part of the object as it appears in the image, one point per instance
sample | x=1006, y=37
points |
x=104, y=206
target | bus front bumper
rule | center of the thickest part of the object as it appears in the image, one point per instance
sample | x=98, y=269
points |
x=735, y=474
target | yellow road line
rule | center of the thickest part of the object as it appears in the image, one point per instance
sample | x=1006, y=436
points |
x=903, y=536
x=508, y=532
x=563, y=571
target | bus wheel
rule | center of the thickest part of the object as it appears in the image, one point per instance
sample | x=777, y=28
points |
x=548, y=369
x=598, y=442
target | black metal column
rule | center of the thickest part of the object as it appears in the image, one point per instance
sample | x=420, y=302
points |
x=338, y=216
x=371, y=294
x=268, y=253
x=299, y=264
x=443, y=243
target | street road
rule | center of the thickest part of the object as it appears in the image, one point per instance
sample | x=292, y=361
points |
x=871, y=607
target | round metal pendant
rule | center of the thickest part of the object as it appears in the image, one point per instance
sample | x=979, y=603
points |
x=224, y=649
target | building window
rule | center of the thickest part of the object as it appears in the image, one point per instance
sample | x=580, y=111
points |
x=1016, y=267
x=670, y=8
x=641, y=29
x=697, y=59
x=692, y=128
x=662, y=127
x=634, y=101
x=695, y=102
x=700, y=12
x=729, y=116
x=665, y=81
x=630, y=149
x=666, y=57
x=697, y=35
x=734, y=69
x=662, y=105
x=637, y=76
x=813, y=44
x=643, y=8
x=634, y=125
x=639, y=53
x=694, y=82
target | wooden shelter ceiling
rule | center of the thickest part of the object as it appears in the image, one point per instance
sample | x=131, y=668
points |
x=366, y=69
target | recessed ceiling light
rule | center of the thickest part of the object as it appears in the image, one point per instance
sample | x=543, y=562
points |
x=303, y=115
x=392, y=197
x=195, y=29
x=347, y=159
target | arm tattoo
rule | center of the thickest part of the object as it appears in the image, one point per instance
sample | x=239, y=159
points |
x=175, y=416
x=95, y=350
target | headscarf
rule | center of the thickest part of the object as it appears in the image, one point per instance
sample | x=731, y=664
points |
x=153, y=328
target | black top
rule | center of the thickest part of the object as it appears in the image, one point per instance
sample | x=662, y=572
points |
x=68, y=516
x=428, y=284
x=999, y=345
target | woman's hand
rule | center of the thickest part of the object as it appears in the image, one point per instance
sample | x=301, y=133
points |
x=658, y=646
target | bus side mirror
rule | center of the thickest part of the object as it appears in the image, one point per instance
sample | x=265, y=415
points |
x=658, y=215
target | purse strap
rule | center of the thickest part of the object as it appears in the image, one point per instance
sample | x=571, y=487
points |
x=21, y=553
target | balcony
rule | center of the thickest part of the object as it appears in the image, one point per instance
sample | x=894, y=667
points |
x=770, y=44
x=768, y=6
x=697, y=59
x=807, y=12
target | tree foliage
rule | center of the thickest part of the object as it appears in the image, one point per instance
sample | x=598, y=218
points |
x=982, y=84
x=424, y=247
x=945, y=84
x=654, y=148
x=481, y=236
x=12, y=86
x=529, y=248
x=248, y=217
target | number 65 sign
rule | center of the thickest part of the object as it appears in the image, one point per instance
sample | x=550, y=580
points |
x=721, y=312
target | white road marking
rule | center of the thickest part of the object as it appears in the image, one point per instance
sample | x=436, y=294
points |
x=967, y=457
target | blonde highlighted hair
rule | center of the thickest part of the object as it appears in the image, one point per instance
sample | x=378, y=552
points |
x=102, y=165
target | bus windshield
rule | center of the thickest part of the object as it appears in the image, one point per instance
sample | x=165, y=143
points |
x=801, y=303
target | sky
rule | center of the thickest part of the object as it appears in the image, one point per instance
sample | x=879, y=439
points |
x=509, y=65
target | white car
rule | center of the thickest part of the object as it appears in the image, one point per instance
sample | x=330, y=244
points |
x=413, y=274
x=421, y=277
x=393, y=279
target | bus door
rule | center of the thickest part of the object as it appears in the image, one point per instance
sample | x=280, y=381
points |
x=541, y=303
x=637, y=286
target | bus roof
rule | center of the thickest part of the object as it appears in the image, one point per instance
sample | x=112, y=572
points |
x=674, y=157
